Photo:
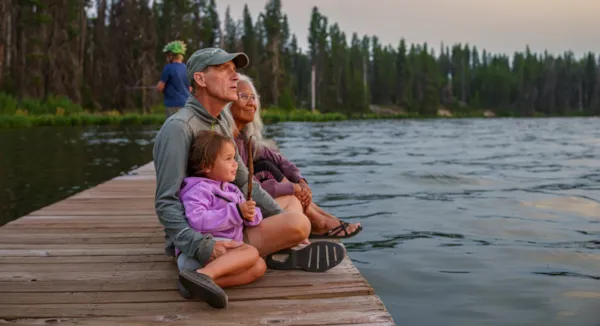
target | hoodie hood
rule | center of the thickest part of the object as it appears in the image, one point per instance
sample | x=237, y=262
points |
x=223, y=190
x=205, y=117
x=191, y=182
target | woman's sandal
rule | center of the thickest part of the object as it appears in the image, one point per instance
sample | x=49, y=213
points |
x=338, y=232
x=318, y=257
x=203, y=287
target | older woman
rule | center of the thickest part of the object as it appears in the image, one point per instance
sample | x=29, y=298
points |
x=278, y=176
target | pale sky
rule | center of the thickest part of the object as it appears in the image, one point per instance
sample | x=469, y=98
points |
x=495, y=25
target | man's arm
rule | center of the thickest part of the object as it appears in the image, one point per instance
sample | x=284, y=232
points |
x=164, y=77
x=268, y=205
x=171, y=150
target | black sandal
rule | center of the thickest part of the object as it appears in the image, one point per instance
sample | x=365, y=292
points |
x=316, y=257
x=334, y=233
x=203, y=287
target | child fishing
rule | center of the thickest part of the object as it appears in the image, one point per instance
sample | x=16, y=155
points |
x=174, y=82
x=213, y=205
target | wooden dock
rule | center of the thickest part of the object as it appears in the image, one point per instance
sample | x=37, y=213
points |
x=97, y=258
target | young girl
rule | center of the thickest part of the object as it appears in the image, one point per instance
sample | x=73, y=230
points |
x=215, y=206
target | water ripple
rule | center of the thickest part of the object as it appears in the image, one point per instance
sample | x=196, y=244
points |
x=458, y=213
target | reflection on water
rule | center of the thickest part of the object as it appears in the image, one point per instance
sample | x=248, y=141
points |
x=40, y=166
x=466, y=222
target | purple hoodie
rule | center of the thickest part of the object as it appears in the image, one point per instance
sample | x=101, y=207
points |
x=212, y=207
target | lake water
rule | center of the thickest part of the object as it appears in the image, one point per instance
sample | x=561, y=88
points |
x=466, y=222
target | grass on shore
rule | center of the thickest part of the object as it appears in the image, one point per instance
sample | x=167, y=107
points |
x=269, y=116
x=86, y=119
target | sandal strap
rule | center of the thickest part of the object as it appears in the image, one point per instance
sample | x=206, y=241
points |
x=342, y=227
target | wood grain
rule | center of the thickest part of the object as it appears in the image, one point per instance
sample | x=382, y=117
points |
x=97, y=258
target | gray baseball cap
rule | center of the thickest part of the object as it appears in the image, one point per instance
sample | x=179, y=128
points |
x=212, y=57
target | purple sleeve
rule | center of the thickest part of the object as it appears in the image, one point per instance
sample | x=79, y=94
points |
x=276, y=188
x=197, y=203
x=289, y=169
x=257, y=218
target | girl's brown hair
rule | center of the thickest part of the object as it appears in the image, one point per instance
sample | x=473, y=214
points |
x=204, y=151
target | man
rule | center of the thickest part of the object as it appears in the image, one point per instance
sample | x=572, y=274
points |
x=212, y=73
x=173, y=81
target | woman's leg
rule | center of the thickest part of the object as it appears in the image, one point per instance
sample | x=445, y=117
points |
x=321, y=221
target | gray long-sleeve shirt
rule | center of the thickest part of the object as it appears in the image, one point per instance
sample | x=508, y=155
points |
x=171, y=150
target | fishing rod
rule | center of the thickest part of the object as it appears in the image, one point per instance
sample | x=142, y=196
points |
x=250, y=168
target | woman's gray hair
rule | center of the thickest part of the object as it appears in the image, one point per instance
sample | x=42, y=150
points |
x=254, y=128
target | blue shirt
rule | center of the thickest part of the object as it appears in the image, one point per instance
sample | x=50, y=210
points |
x=177, y=85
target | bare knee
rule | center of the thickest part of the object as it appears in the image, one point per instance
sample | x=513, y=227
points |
x=299, y=225
x=290, y=203
x=259, y=269
x=250, y=251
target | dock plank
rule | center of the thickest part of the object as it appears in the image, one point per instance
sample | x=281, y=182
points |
x=97, y=258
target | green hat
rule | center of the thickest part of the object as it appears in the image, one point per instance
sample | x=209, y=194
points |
x=212, y=57
x=177, y=47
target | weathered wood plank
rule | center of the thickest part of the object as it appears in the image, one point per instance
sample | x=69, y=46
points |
x=81, y=228
x=105, y=220
x=125, y=251
x=92, y=246
x=168, y=283
x=332, y=317
x=89, y=267
x=238, y=310
x=297, y=292
x=84, y=259
x=325, y=318
x=79, y=239
x=164, y=271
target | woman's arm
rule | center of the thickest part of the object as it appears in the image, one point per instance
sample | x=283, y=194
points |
x=289, y=169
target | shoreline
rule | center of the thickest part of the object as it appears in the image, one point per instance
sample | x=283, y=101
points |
x=269, y=117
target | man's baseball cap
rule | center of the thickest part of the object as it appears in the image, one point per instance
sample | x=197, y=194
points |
x=212, y=57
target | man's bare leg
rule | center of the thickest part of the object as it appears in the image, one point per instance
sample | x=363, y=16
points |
x=290, y=203
x=279, y=232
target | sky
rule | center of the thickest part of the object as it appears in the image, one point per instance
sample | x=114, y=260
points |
x=498, y=26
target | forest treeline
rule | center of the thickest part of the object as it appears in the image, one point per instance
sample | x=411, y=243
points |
x=106, y=55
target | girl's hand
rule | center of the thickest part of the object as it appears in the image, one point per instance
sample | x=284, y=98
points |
x=247, y=209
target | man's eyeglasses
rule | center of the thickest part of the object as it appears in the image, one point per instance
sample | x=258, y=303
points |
x=246, y=96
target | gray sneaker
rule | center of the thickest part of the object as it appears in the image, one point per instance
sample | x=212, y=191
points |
x=184, y=292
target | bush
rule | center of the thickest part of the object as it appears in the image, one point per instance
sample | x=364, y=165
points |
x=8, y=104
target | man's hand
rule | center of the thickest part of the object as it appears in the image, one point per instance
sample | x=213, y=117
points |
x=303, y=194
x=304, y=185
x=222, y=247
x=248, y=210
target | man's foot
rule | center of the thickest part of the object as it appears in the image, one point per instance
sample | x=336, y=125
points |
x=316, y=257
x=333, y=228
